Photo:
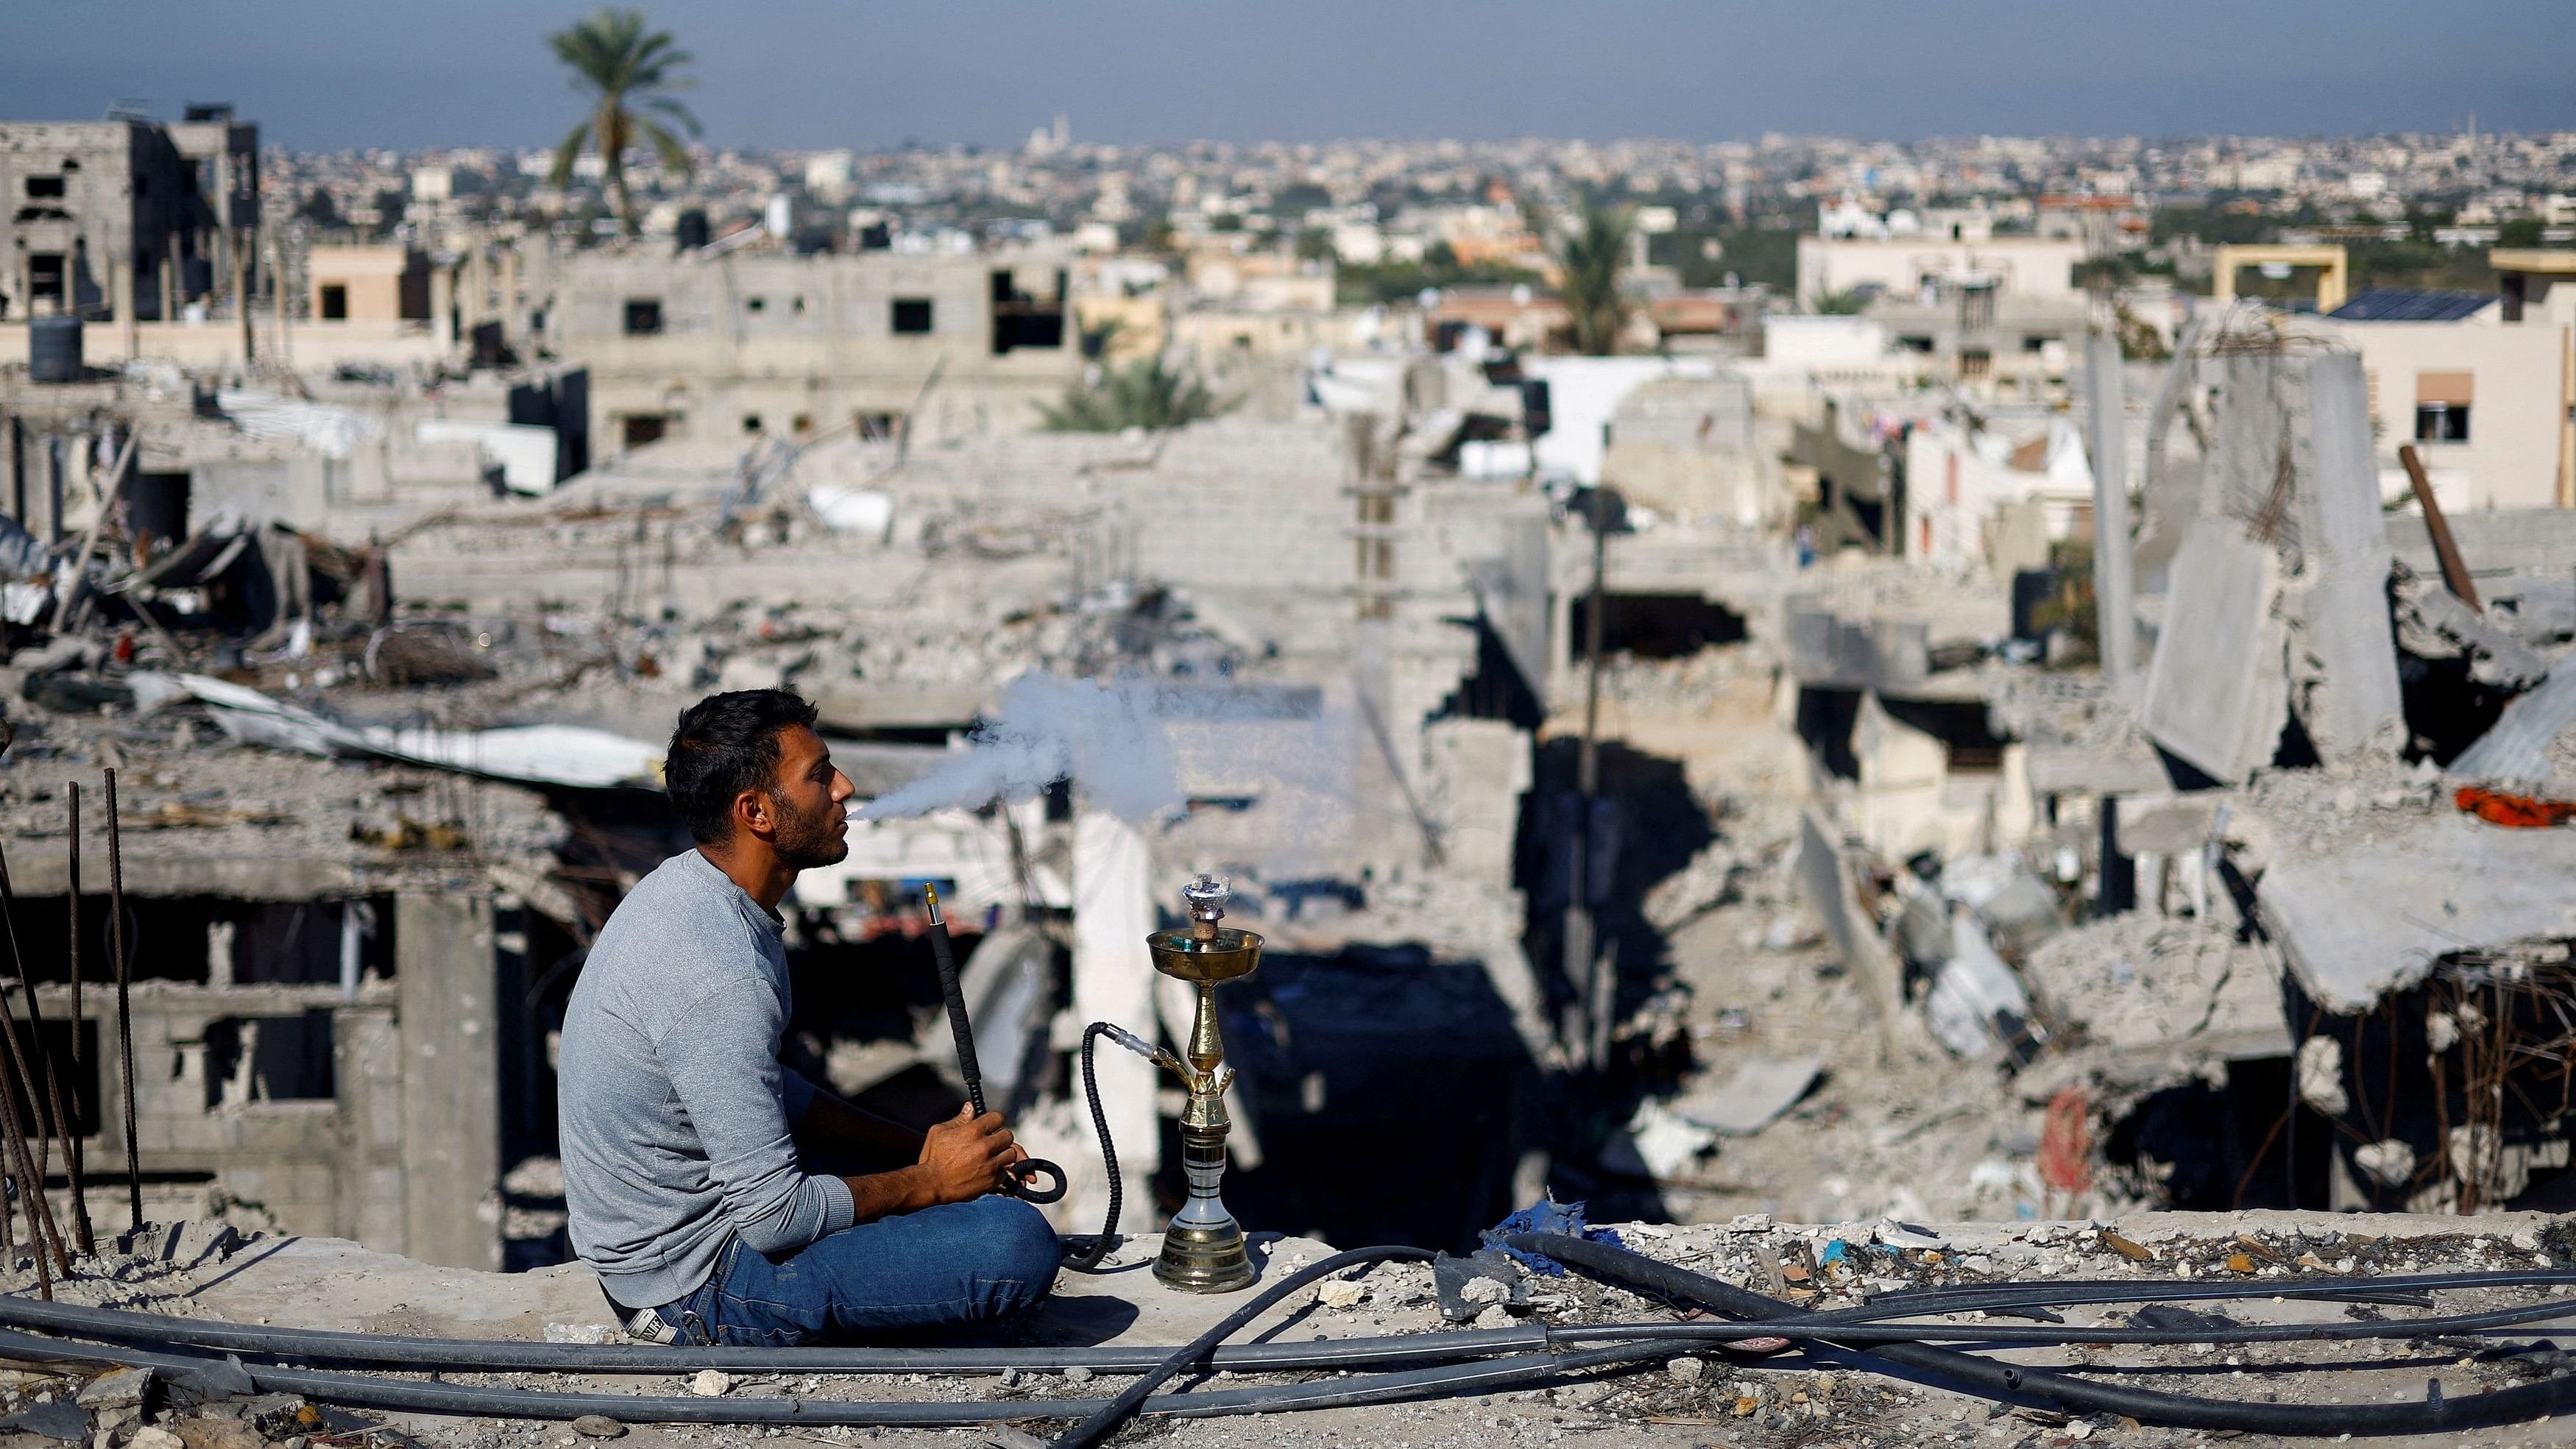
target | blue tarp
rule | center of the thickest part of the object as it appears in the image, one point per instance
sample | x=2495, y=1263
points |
x=1547, y=1215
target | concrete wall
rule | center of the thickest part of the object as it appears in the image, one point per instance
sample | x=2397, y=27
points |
x=2513, y=458
x=777, y=338
x=123, y=243
x=310, y=346
x=370, y=280
x=392, y=1139
x=2029, y=266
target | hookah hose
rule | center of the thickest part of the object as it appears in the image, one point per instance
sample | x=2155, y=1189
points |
x=1088, y=1257
x=952, y=988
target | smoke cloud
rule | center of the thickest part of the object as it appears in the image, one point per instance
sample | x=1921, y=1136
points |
x=1105, y=738
x=1139, y=749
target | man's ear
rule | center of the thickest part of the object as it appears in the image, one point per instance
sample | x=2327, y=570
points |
x=752, y=814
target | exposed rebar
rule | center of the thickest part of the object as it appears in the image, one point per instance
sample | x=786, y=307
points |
x=35, y=1145
x=71, y=1125
x=124, y=1004
x=43, y=1237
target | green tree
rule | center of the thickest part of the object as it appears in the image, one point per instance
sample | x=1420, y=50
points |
x=1143, y=394
x=1591, y=254
x=629, y=73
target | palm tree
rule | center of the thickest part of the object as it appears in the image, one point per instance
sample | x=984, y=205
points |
x=1143, y=394
x=629, y=73
x=1591, y=255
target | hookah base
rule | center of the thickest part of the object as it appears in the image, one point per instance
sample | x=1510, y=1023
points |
x=1204, y=1259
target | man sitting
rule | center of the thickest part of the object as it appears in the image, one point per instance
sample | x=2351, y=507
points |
x=682, y=1131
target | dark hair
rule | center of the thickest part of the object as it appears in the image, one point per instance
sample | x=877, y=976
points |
x=726, y=744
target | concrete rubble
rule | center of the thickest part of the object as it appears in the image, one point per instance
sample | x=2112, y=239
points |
x=1758, y=1396
x=1886, y=915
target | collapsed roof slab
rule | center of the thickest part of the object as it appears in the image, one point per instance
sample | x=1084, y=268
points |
x=2374, y=914
x=2217, y=688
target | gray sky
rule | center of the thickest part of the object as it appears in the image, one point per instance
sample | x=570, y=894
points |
x=328, y=74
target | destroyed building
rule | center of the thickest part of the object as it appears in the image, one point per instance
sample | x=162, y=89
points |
x=125, y=219
x=1725, y=782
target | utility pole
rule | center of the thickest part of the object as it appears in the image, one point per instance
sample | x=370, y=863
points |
x=241, y=299
x=1590, y=1038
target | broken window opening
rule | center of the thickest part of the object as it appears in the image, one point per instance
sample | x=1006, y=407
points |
x=268, y=1059
x=335, y=302
x=46, y=278
x=1658, y=626
x=1496, y=689
x=1021, y=320
x=637, y=429
x=1960, y=726
x=643, y=316
x=45, y=186
x=911, y=315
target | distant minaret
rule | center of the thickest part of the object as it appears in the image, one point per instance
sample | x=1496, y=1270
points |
x=1063, y=130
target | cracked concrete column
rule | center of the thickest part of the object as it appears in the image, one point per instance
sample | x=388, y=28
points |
x=445, y=977
x=2107, y=433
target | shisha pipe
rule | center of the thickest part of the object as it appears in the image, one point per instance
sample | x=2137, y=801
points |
x=953, y=989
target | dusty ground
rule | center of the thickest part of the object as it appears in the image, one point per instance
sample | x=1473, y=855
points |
x=1701, y=1398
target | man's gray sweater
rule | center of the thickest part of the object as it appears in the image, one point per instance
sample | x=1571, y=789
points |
x=674, y=1109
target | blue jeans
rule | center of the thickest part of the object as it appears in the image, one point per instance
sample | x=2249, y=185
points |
x=958, y=1263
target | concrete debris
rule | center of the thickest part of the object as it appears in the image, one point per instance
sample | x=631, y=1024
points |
x=1657, y=1143
x=121, y=1389
x=2372, y=912
x=711, y=1383
x=1976, y=1004
x=2320, y=1076
x=2217, y=688
x=2518, y=747
x=1759, y=1090
x=2432, y=623
x=2356, y=704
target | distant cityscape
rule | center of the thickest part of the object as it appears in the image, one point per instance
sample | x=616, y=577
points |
x=1400, y=215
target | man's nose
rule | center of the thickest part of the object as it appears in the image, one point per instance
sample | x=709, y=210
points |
x=842, y=789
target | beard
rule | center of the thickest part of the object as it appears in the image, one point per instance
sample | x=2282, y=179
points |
x=807, y=840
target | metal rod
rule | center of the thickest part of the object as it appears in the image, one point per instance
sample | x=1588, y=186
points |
x=124, y=1005
x=43, y=1235
x=19, y=1061
x=2455, y=570
x=81, y=1232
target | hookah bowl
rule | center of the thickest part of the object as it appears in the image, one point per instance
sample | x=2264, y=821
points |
x=1203, y=1247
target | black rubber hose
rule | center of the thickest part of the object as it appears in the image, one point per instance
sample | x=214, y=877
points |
x=333, y=1346
x=2040, y=1334
x=2004, y=1380
x=1195, y=1353
x=362, y=1391
x=2408, y=1289
x=504, y=1356
x=1087, y=1258
x=509, y=1356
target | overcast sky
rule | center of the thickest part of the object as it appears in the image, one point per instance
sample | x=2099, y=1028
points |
x=329, y=74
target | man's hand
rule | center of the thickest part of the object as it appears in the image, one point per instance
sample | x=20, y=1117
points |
x=967, y=1156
